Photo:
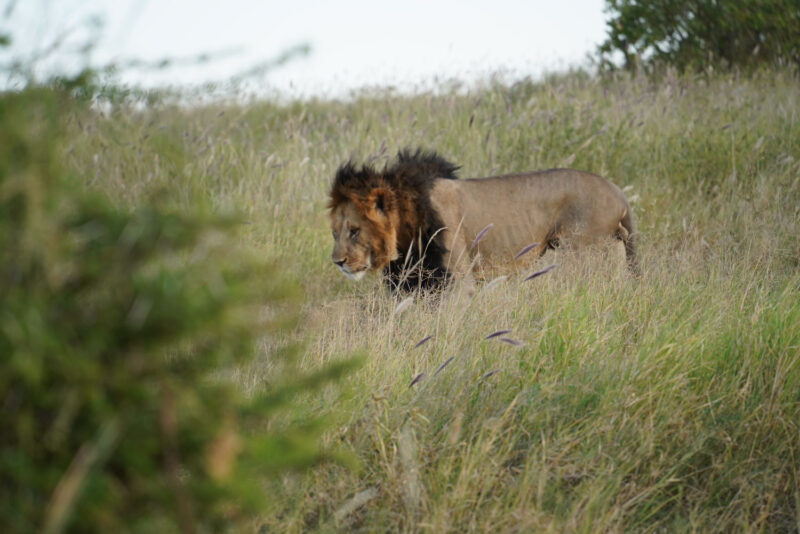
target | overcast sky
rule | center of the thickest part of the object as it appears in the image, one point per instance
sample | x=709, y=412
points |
x=354, y=43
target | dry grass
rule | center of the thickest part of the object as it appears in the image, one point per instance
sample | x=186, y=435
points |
x=670, y=402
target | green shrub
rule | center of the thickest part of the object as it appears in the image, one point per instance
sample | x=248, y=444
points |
x=116, y=331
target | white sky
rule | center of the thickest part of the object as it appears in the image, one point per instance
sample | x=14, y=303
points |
x=354, y=43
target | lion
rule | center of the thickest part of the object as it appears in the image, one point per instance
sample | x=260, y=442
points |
x=416, y=221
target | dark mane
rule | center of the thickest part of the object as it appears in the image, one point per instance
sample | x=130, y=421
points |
x=421, y=167
x=412, y=172
x=350, y=180
x=421, y=262
x=419, y=236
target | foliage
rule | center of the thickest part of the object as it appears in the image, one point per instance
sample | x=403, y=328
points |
x=120, y=334
x=689, y=34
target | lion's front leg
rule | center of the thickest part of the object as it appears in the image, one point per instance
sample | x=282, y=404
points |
x=458, y=263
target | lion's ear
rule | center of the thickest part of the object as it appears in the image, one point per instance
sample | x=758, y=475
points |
x=382, y=200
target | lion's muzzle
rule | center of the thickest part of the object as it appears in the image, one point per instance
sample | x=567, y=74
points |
x=351, y=272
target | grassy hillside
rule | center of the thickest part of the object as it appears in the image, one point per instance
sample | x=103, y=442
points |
x=668, y=403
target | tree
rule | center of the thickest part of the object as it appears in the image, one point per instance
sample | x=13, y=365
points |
x=695, y=34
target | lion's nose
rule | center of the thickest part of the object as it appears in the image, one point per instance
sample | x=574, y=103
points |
x=339, y=263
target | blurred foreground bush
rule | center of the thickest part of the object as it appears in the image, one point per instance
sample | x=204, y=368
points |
x=115, y=333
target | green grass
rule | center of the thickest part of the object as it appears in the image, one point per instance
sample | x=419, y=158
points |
x=667, y=403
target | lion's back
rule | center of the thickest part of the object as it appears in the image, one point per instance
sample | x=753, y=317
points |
x=527, y=207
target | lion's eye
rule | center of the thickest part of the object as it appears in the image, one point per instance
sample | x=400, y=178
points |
x=335, y=234
x=354, y=234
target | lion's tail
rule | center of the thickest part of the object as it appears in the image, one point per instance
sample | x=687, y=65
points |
x=627, y=233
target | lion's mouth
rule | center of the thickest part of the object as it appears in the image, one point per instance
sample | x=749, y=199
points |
x=354, y=274
x=357, y=275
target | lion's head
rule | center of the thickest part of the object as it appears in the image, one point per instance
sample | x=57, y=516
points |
x=364, y=220
x=376, y=214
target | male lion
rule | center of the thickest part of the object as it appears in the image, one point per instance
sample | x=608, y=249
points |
x=416, y=221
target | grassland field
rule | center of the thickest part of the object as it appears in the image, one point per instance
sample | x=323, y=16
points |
x=670, y=403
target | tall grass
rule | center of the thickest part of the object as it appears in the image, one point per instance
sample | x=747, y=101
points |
x=671, y=402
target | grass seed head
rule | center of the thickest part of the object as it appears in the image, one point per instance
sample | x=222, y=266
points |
x=540, y=273
x=497, y=333
x=481, y=234
x=416, y=379
x=422, y=342
x=490, y=373
x=525, y=250
x=444, y=364
x=404, y=305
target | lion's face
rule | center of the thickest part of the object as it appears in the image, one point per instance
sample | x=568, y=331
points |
x=364, y=237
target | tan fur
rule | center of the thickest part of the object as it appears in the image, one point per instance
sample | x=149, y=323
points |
x=558, y=207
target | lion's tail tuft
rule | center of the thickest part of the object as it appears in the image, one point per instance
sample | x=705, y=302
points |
x=627, y=233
